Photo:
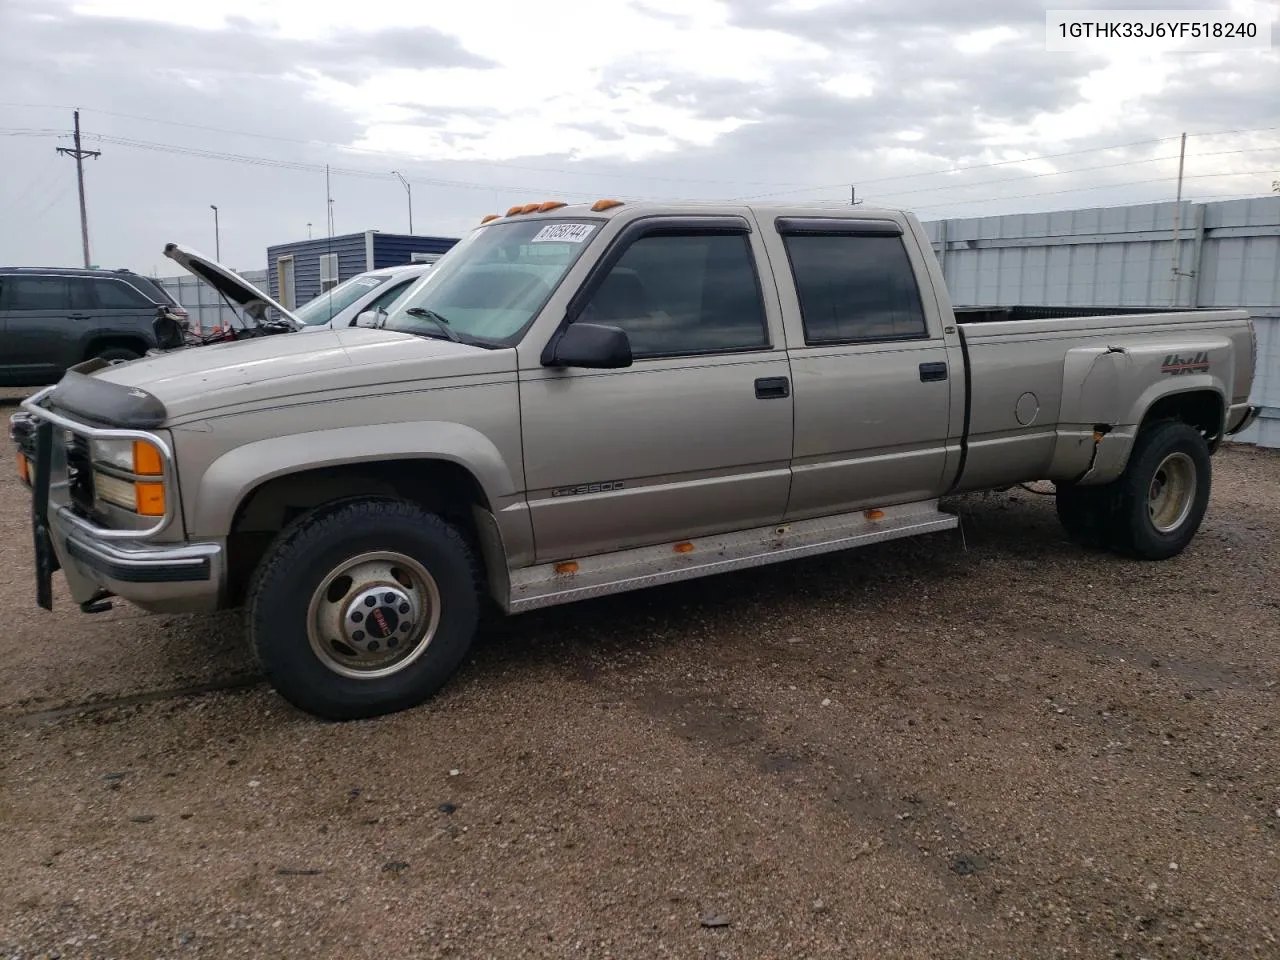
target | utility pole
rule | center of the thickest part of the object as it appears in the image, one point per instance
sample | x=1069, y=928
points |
x=853, y=196
x=80, y=155
x=217, y=237
x=308, y=229
x=328, y=198
x=409, y=190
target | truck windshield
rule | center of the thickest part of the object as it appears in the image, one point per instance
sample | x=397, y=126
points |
x=489, y=286
x=323, y=308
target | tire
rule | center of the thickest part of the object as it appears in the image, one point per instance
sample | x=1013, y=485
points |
x=114, y=354
x=417, y=570
x=1162, y=496
x=1086, y=513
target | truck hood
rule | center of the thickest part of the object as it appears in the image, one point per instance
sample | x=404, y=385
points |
x=230, y=284
x=242, y=373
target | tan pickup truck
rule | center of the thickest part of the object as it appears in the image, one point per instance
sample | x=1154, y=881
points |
x=581, y=400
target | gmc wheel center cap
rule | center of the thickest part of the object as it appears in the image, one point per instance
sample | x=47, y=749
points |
x=378, y=618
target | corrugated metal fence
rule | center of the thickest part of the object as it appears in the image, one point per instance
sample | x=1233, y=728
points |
x=207, y=309
x=1228, y=256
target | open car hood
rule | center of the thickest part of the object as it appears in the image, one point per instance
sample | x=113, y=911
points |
x=254, y=302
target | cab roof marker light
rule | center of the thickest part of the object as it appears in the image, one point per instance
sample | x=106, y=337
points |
x=492, y=216
x=550, y=205
x=530, y=207
x=605, y=205
x=514, y=210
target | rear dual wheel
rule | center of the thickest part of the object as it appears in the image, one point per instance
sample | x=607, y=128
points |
x=1154, y=509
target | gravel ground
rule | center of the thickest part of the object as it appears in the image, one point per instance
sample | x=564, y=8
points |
x=994, y=745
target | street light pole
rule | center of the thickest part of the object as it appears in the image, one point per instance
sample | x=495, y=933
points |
x=217, y=238
x=408, y=190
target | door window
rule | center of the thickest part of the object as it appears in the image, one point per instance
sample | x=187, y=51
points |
x=37, y=293
x=855, y=289
x=683, y=294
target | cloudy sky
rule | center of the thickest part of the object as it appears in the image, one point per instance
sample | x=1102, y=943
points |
x=947, y=107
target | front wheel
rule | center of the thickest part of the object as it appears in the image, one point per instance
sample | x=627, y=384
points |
x=1163, y=493
x=364, y=608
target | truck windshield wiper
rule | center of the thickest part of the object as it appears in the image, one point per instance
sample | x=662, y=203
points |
x=435, y=318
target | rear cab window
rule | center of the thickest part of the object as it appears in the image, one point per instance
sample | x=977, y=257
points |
x=854, y=281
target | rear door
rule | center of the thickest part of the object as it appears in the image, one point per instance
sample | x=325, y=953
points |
x=695, y=436
x=877, y=385
x=45, y=317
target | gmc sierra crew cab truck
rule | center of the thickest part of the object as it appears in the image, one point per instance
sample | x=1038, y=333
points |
x=581, y=400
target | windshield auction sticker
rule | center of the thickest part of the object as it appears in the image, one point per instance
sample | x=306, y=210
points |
x=564, y=233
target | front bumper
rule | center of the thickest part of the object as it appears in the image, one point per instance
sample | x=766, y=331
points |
x=163, y=578
x=97, y=562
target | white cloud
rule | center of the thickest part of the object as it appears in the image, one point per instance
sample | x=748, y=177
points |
x=484, y=103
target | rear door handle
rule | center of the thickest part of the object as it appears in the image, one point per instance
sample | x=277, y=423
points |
x=79, y=316
x=773, y=388
x=932, y=371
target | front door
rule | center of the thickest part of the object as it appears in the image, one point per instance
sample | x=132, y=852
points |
x=695, y=437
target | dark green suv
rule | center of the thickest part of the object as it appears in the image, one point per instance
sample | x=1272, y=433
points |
x=52, y=318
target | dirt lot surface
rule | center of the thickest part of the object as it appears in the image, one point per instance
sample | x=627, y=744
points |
x=995, y=746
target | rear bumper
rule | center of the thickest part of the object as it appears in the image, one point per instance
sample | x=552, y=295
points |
x=1241, y=418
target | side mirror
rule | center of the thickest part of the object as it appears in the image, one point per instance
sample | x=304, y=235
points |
x=591, y=345
x=369, y=318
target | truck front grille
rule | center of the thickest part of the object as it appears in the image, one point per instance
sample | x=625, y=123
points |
x=80, y=474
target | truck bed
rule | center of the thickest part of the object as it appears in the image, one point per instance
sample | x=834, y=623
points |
x=1041, y=380
x=1038, y=312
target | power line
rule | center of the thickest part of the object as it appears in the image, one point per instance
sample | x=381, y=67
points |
x=310, y=167
x=33, y=188
x=1002, y=163
x=301, y=165
x=57, y=198
x=1105, y=186
x=502, y=164
x=796, y=187
x=1063, y=173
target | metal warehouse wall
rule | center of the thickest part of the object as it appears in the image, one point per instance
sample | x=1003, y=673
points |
x=352, y=251
x=207, y=309
x=1229, y=253
x=395, y=249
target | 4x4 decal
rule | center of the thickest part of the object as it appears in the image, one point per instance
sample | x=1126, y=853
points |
x=1175, y=364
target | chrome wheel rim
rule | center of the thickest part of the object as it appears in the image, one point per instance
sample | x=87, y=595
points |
x=1172, y=491
x=373, y=615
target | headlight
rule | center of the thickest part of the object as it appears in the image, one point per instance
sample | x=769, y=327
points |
x=132, y=456
x=142, y=491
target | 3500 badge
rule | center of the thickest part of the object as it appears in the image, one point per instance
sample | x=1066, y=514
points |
x=582, y=488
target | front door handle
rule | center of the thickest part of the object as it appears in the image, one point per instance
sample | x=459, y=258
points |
x=932, y=371
x=772, y=388
x=78, y=316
